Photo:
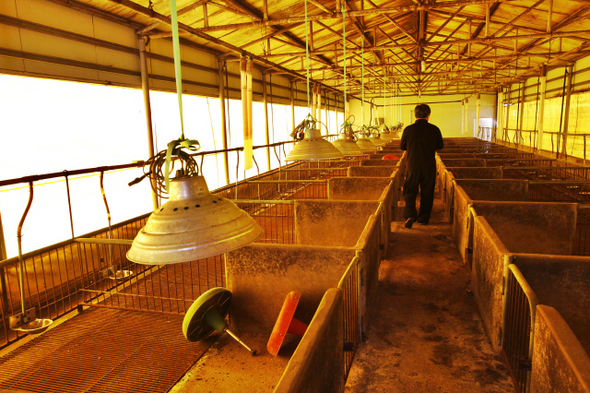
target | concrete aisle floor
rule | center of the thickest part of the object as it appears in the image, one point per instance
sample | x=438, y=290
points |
x=425, y=332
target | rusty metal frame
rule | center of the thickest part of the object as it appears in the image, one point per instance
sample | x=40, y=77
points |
x=350, y=285
x=520, y=306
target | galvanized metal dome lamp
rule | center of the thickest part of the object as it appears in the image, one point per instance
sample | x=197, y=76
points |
x=311, y=145
x=386, y=134
x=346, y=141
x=375, y=137
x=194, y=223
x=363, y=141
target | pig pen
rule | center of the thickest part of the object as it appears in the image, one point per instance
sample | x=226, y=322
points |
x=534, y=342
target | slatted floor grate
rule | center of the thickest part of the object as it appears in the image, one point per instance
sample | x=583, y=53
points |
x=104, y=350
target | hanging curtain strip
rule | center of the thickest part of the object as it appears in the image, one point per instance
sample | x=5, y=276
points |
x=363, y=80
x=343, y=4
x=313, y=102
x=307, y=51
x=244, y=96
x=177, y=65
x=392, y=98
x=384, y=93
x=248, y=153
x=319, y=102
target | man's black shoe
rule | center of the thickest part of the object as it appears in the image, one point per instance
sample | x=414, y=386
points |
x=409, y=223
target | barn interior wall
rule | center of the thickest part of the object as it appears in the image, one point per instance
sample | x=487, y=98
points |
x=447, y=112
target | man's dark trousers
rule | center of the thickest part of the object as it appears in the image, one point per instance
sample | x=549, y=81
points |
x=423, y=181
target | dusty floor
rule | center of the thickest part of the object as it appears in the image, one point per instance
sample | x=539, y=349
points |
x=227, y=367
x=425, y=333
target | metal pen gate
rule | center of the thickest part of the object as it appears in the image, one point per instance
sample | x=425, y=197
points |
x=519, y=318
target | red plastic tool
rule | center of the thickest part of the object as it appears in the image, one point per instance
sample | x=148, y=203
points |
x=286, y=324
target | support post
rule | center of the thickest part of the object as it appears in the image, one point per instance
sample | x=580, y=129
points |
x=145, y=87
x=292, y=97
x=477, y=115
x=500, y=114
x=566, y=114
x=3, y=253
x=541, y=117
x=222, y=99
x=463, y=116
x=465, y=130
x=549, y=16
x=521, y=113
x=3, y=256
x=507, y=120
x=266, y=126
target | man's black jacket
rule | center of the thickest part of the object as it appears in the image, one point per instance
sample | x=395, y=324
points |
x=421, y=140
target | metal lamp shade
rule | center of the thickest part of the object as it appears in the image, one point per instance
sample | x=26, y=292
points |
x=365, y=144
x=377, y=141
x=347, y=146
x=313, y=147
x=193, y=224
x=387, y=136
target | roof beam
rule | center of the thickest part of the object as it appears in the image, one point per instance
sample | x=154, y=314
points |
x=510, y=58
x=511, y=23
x=489, y=13
x=486, y=41
x=358, y=13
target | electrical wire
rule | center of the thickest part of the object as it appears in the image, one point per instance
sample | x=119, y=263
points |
x=155, y=167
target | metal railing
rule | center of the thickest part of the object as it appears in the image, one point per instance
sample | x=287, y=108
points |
x=56, y=275
x=519, y=319
x=77, y=272
x=275, y=217
x=573, y=191
x=289, y=182
x=350, y=286
x=552, y=172
x=556, y=139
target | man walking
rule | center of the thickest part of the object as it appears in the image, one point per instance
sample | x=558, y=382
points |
x=420, y=140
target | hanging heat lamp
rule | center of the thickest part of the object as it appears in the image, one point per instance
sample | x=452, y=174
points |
x=386, y=134
x=346, y=142
x=193, y=224
x=311, y=145
x=348, y=146
x=397, y=128
x=364, y=143
x=375, y=137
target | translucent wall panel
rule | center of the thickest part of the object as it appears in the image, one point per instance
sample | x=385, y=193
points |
x=553, y=124
x=48, y=126
x=53, y=126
